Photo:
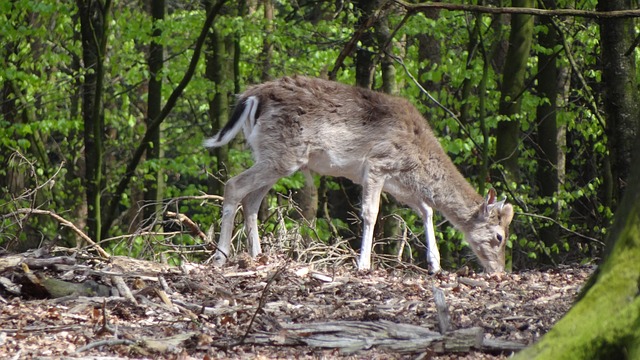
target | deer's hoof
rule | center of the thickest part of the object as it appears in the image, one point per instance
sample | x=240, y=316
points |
x=218, y=259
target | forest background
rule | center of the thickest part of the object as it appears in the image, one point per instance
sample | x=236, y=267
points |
x=104, y=106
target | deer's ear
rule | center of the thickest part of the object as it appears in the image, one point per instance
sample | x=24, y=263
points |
x=491, y=197
x=488, y=203
x=506, y=213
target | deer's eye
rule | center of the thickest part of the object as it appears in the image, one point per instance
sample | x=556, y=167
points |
x=499, y=238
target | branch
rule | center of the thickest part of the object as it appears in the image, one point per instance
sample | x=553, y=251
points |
x=348, y=48
x=63, y=222
x=261, y=301
x=599, y=242
x=171, y=102
x=193, y=227
x=412, y=8
x=576, y=69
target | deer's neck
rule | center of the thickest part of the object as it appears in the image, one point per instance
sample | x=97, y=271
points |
x=451, y=194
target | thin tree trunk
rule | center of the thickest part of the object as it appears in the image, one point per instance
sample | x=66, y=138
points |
x=508, y=133
x=547, y=173
x=267, y=46
x=154, y=187
x=219, y=70
x=390, y=224
x=94, y=26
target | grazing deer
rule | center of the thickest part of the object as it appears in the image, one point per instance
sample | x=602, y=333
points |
x=376, y=140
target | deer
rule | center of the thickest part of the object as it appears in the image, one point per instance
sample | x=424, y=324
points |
x=379, y=141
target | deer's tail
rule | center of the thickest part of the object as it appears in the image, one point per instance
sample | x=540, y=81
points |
x=243, y=115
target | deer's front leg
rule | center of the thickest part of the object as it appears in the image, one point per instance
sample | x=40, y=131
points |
x=433, y=255
x=371, y=190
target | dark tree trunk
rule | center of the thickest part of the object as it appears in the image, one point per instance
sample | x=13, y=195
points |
x=621, y=94
x=547, y=128
x=508, y=133
x=94, y=26
x=154, y=186
x=219, y=70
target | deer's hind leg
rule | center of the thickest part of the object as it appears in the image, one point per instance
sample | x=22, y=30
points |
x=250, y=184
x=250, y=207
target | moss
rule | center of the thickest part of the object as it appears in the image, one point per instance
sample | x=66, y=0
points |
x=604, y=324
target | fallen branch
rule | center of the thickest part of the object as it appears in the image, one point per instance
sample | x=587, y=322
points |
x=111, y=342
x=263, y=299
x=444, y=319
x=63, y=222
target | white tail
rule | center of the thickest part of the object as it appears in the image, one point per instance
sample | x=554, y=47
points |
x=379, y=141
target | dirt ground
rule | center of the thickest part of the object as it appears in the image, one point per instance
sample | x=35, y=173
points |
x=249, y=309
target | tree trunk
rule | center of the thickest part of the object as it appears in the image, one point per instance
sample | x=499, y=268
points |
x=344, y=201
x=154, y=186
x=508, y=133
x=389, y=224
x=604, y=323
x=547, y=128
x=94, y=26
x=621, y=97
x=219, y=70
x=267, y=46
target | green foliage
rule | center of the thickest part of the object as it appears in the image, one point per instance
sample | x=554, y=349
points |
x=40, y=78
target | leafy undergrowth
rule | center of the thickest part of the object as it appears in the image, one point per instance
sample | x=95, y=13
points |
x=200, y=312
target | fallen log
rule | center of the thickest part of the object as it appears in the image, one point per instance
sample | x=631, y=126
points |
x=352, y=336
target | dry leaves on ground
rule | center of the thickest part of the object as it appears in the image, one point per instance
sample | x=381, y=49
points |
x=257, y=310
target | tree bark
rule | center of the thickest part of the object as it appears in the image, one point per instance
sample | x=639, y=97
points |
x=547, y=128
x=154, y=186
x=94, y=27
x=604, y=323
x=219, y=70
x=508, y=133
x=621, y=95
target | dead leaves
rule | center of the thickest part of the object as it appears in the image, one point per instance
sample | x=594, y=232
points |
x=202, y=312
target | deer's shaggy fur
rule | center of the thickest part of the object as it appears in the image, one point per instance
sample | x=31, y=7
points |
x=379, y=141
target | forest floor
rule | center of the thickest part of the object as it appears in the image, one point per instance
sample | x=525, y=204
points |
x=269, y=308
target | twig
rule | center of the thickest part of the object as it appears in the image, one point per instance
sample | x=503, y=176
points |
x=195, y=229
x=263, y=299
x=599, y=242
x=351, y=44
x=111, y=342
x=50, y=181
x=123, y=289
x=63, y=222
x=105, y=329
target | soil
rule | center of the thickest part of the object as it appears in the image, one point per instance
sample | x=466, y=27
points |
x=245, y=309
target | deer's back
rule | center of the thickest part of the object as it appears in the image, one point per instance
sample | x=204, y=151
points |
x=337, y=128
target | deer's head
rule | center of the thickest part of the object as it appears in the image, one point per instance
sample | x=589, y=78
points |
x=489, y=233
